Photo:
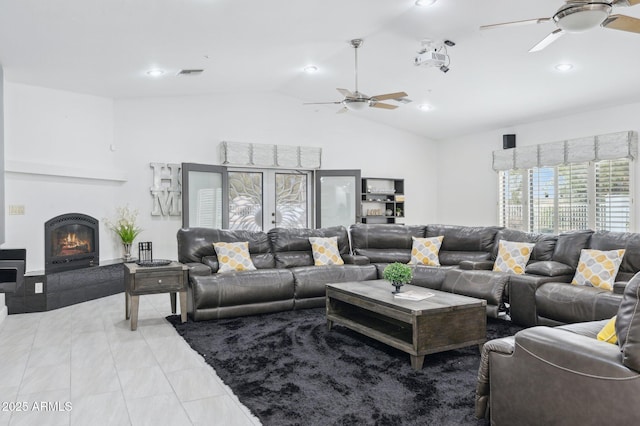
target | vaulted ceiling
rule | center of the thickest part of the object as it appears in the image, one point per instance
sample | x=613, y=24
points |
x=105, y=48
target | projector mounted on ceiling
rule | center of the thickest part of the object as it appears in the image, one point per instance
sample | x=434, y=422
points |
x=433, y=54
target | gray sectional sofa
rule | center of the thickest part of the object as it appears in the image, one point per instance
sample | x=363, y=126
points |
x=286, y=277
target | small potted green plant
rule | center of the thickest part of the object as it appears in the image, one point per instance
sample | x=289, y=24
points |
x=398, y=274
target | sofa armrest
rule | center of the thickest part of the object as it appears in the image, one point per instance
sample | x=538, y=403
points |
x=558, y=377
x=502, y=346
x=484, y=265
x=549, y=268
x=355, y=259
x=574, y=353
x=522, y=296
x=197, y=269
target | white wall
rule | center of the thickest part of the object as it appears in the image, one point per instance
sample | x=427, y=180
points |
x=88, y=135
x=467, y=185
x=55, y=130
x=189, y=129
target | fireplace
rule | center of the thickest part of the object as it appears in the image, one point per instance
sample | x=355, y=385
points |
x=71, y=241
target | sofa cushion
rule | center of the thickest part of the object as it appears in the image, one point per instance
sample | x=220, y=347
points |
x=311, y=281
x=384, y=242
x=465, y=238
x=325, y=251
x=598, y=268
x=291, y=246
x=628, y=324
x=512, y=257
x=233, y=256
x=568, y=247
x=608, y=332
x=196, y=245
x=544, y=243
x=485, y=285
x=424, y=251
x=607, y=240
x=568, y=303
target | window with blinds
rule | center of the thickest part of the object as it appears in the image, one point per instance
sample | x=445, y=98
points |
x=512, y=199
x=587, y=195
x=613, y=202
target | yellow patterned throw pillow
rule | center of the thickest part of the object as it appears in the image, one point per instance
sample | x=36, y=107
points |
x=325, y=251
x=608, y=332
x=598, y=268
x=425, y=251
x=233, y=257
x=512, y=256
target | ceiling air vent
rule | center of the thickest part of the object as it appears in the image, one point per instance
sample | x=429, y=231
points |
x=190, y=72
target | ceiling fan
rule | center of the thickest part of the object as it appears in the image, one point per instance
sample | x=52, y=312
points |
x=357, y=101
x=577, y=16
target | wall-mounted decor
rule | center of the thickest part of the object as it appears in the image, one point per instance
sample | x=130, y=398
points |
x=166, y=189
x=268, y=155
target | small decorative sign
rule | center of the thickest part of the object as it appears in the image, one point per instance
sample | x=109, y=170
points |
x=166, y=189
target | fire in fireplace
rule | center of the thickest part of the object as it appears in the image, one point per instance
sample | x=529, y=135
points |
x=71, y=242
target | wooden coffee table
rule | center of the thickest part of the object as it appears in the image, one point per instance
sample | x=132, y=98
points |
x=439, y=323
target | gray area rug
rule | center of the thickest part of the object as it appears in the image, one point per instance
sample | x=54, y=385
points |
x=289, y=370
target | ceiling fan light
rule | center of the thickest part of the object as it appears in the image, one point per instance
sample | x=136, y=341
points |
x=356, y=105
x=576, y=19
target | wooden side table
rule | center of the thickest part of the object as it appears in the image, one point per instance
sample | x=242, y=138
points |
x=141, y=280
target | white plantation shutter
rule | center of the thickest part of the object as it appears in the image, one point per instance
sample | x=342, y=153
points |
x=573, y=197
x=541, y=199
x=512, y=199
x=573, y=184
x=613, y=195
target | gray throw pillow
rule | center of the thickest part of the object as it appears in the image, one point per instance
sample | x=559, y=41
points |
x=628, y=324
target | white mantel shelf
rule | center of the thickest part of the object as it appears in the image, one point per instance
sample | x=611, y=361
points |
x=43, y=169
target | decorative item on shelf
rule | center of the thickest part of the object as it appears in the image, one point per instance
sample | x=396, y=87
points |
x=145, y=251
x=125, y=227
x=398, y=211
x=389, y=212
x=145, y=256
x=398, y=274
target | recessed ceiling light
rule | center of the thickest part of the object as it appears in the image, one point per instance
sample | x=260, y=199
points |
x=425, y=2
x=425, y=107
x=310, y=69
x=156, y=72
x=564, y=67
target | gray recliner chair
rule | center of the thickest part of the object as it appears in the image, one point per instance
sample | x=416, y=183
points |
x=564, y=375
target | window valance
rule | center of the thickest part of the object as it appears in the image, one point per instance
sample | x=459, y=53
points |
x=594, y=148
x=267, y=155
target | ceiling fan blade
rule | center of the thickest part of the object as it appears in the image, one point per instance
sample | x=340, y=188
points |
x=547, y=40
x=322, y=103
x=625, y=2
x=383, y=106
x=623, y=23
x=346, y=93
x=516, y=23
x=396, y=95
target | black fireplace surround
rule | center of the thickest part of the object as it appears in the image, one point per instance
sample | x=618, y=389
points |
x=71, y=241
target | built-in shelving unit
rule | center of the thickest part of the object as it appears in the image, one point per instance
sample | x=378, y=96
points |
x=382, y=200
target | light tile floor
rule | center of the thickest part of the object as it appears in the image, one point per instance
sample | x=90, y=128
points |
x=87, y=356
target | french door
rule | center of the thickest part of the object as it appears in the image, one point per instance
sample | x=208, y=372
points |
x=249, y=199
x=263, y=199
x=260, y=199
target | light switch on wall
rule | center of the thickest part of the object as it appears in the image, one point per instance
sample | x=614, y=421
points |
x=16, y=209
x=38, y=288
